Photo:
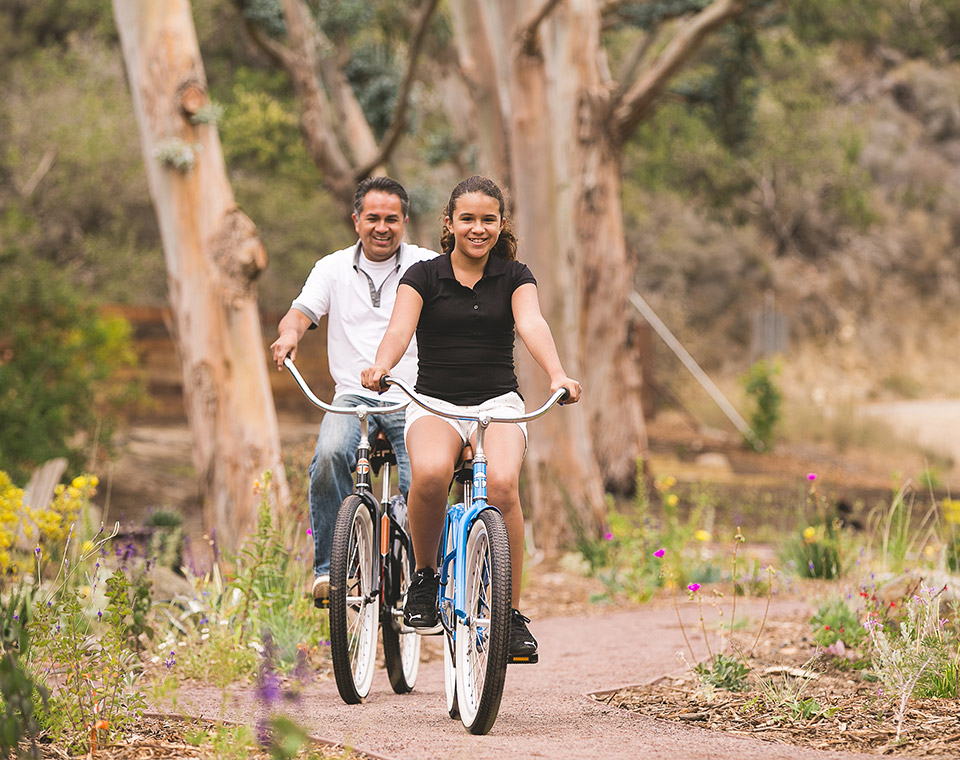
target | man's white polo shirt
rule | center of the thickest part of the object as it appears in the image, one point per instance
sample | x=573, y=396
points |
x=358, y=302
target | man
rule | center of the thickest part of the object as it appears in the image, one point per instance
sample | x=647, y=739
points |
x=356, y=288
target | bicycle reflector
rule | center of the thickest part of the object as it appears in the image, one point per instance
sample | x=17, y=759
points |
x=384, y=533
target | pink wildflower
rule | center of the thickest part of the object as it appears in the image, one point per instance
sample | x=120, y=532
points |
x=659, y=552
x=811, y=476
x=693, y=587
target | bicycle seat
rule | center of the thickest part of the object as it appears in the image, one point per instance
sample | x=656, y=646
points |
x=381, y=451
x=463, y=470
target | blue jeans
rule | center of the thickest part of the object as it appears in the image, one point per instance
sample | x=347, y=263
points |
x=334, y=463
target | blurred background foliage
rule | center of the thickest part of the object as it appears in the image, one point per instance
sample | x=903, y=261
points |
x=809, y=151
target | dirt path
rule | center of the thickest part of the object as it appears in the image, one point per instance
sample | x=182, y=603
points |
x=545, y=711
x=930, y=423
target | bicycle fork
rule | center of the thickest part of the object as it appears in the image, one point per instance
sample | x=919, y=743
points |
x=459, y=520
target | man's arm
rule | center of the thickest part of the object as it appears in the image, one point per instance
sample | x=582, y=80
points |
x=291, y=328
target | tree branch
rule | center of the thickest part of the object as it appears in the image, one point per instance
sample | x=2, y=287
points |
x=316, y=119
x=527, y=36
x=630, y=65
x=610, y=6
x=398, y=123
x=636, y=103
x=277, y=52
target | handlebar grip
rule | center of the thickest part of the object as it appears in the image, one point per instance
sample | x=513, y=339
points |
x=384, y=384
x=563, y=396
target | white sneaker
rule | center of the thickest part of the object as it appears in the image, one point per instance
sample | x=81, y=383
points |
x=321, y=588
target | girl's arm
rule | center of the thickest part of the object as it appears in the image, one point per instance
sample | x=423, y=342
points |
x=403, y=323
x=535, y=333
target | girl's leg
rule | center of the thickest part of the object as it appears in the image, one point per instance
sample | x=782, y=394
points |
x=504, y=446
x=433, y=447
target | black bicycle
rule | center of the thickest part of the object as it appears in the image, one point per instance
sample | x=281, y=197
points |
x=371, y=565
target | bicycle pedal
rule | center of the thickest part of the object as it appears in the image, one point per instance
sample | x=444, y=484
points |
x=321, y=604
x=523, y=659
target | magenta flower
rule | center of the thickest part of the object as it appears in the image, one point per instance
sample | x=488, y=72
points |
x=659, y=552
x=693, y=587
x=608, y=536
x=811, y=476
x=309, y=532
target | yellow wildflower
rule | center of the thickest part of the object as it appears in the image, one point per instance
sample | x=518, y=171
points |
x=702, y=535
x=951, y=511
x=809, y=534
x=672, y=500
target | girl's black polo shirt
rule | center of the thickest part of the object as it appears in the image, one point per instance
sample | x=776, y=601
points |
x=465, y=335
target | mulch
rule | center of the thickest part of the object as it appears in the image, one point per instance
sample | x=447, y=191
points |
x=164, y=737
x=854, y=715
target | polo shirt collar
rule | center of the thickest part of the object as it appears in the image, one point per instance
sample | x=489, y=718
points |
x=358, y=249
x=495, y=267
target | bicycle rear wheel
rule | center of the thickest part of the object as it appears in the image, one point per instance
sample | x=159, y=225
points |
x=401, y=646
x=483, y=638
x=354, y=606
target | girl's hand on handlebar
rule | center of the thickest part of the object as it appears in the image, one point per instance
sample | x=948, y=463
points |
x=370, y=377
x=572, y=387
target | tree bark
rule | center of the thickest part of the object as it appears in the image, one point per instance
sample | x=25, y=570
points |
x=545, y=89
x=213, y=258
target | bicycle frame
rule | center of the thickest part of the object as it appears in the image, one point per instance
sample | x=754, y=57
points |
x=461, y=516
x=363, y=485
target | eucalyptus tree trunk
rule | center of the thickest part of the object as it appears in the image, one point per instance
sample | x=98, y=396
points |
x=213, y=257
x=562, y=122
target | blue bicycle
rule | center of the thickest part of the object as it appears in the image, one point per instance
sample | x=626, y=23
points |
x=475, y=582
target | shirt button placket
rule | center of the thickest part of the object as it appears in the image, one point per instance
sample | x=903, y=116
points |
x=476, y=307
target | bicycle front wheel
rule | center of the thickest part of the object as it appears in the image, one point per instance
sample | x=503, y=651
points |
x=483, y=637
x=401, y=646
x=354, y=606
x=449, y=661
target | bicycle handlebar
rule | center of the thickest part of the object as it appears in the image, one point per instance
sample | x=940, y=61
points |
x=288, y=363
x=558, y=396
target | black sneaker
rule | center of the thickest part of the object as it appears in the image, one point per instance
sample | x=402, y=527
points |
x=420, y=606
x=523, y=647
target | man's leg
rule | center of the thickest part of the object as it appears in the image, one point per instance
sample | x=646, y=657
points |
x=331, y=479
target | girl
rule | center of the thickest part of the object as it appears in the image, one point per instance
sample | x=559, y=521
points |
x=464, y=306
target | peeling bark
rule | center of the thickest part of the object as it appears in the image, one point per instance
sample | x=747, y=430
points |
x=213, y=258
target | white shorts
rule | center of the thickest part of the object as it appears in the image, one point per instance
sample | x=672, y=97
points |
x=507, y=405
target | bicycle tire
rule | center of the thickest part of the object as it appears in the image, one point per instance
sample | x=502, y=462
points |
x=354, y=605
x=401, y=647
x=483, y=639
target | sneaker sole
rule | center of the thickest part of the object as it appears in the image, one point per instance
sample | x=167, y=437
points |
x=425, y=631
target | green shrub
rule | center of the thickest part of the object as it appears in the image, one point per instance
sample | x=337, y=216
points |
x=62, y=368
x=725, y=672
x=815, y=553
x=19, y=690
x=766, y=400
x=834, y=622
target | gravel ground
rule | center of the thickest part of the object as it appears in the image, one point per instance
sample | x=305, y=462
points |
x=545, y=710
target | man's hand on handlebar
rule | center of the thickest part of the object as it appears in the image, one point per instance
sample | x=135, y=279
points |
x=284, y=346
x=371, y=376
